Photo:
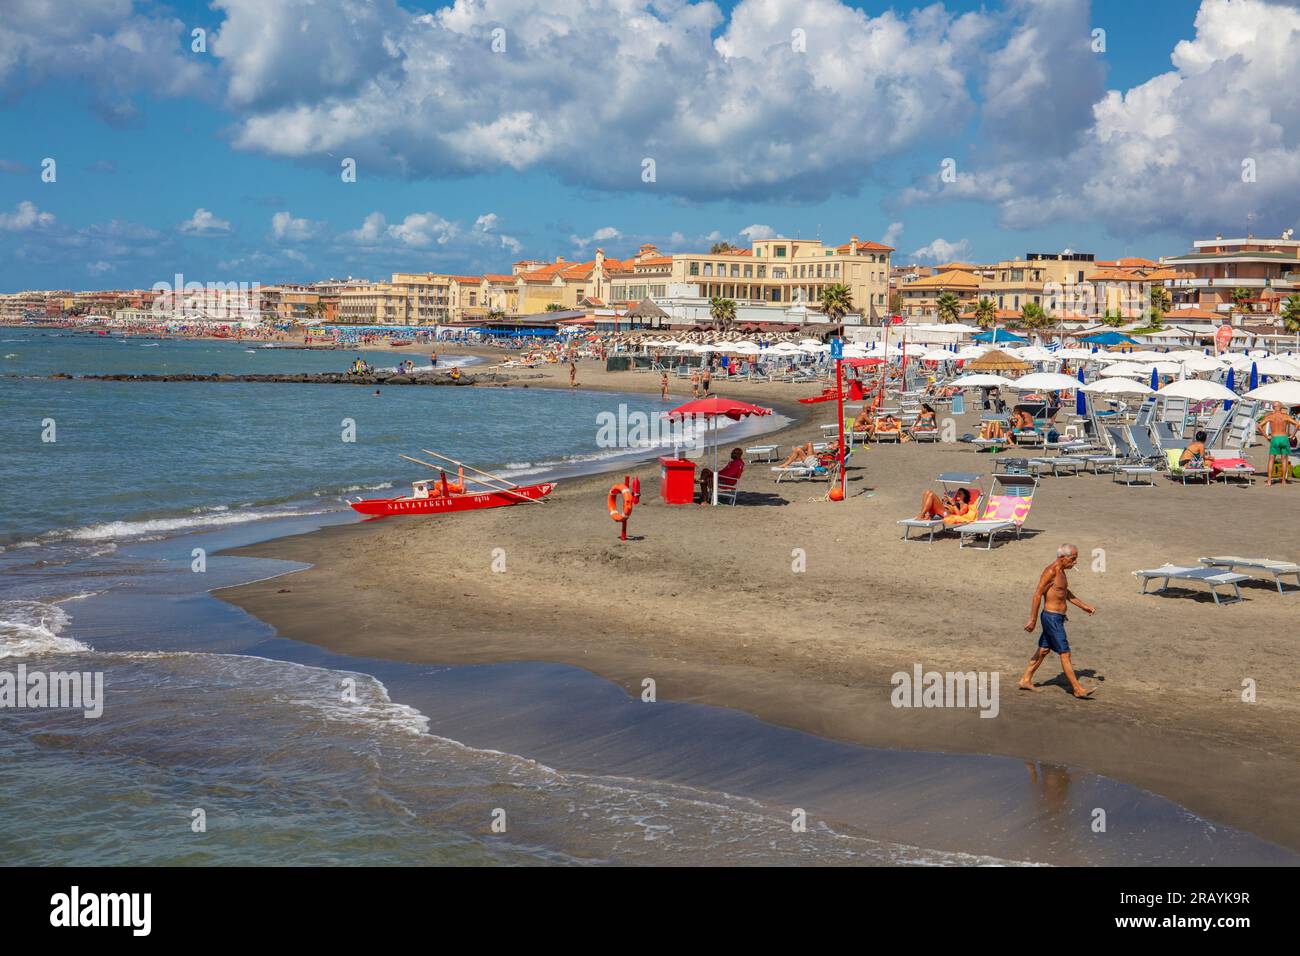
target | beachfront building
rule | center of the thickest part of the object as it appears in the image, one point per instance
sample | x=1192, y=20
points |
x=1018, y=282
x=781, y=272
x=920, y=297
x=290, y=303
x=1267, y=270
x=565, y=285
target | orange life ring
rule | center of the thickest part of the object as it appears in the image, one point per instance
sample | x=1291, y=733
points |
x=620, y=491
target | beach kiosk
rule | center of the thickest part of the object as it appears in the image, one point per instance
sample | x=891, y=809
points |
x=677, y=481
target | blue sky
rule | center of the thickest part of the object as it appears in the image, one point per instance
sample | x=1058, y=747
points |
x=224, y=165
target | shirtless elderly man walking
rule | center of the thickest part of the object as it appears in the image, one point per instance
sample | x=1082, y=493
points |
x=1052, y=594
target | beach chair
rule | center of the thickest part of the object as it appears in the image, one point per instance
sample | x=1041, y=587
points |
x=994, y=444
x=1213, y=578
x=1215, y=426
x=1278, y=569
x=1146, y=412
x=1004, y=512
x=1067, y=463
x=1183, y=472
x=1174, y=414
x=1132, y=465
x=1240, y=430
x=762, y=452
x=812, y=468
x=727, y=488
x=951, y=481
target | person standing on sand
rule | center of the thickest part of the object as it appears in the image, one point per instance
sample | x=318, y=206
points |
x=1053, y=593
x=695, y=384
x=1278, y=427
x=663, y=387
x=573, y=373
x=705, y=381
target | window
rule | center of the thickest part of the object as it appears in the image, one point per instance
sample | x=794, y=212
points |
x=694, y=269
x=779, y=252
x=735, y=271
x=749, y=272
x=708, y=268
x=762, y=272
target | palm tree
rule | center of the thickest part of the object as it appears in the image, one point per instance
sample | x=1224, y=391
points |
x=1291, y=313
x=1159, y=298
x=1239, y=297
x=836, y=302
x=1033, y=316
x=949, y=308
x=723, y=312
x=1113, y=319
x=986, y=313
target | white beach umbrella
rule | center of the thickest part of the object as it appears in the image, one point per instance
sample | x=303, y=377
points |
x=938, y=355
x=1199, y=390
x=1200, y=362
x=1076, y=354
x=1045, y=382
x=970, y=352
x=1035, y=353
x=1126, y=370
x=983, y=380
x=1167, y=368
x=1117, y=386
x=1288, y=393
x=1277, y=367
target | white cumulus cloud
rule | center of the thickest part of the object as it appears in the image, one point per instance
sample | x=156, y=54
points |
x=25, y=216
x=204, y=223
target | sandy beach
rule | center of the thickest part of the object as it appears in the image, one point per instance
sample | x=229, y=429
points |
x=710, y=604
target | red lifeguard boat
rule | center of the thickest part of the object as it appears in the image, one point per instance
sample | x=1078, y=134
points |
x=425, y=499
x=434, y=496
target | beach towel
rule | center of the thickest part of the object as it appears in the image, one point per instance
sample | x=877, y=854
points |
x=1014, y=508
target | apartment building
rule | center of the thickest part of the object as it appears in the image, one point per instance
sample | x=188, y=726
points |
x=290, y=303
x=1268, y=269
x=1017, y=282
x=920, y=297
x=782, y=271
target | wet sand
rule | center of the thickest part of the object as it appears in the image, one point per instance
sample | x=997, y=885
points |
x=707, y=603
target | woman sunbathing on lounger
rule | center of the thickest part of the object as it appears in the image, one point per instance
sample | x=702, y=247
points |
x=993, y=429
x=798, y=455
x=957, y=509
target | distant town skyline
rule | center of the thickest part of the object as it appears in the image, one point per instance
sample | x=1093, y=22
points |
x=141, y=140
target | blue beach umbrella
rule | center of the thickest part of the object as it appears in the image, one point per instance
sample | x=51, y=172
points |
x=1230, y=385
x=1080, y=399
x=1155, y=380
x=1254, y=376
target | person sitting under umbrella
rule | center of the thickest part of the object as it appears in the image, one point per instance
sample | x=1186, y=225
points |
x=728, y=475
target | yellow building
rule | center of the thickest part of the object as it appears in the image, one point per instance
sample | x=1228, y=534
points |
x=783, y=271
x=921, y=296
x=1017, y=282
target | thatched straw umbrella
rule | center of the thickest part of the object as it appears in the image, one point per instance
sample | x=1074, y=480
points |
x=995, y=360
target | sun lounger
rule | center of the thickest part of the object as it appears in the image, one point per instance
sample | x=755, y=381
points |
x=1245, y=470
x=762, y=452
x=1068, y=463
x=1132, y=465
x=1183, y=472
x=810, y=469
x=1213, y=578
x=950, y=480
x=1278, y=569
x=1003, y=513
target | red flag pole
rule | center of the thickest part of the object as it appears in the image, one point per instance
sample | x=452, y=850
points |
x=839, y=404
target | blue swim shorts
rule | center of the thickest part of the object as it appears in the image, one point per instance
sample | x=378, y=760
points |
x=1053, y=636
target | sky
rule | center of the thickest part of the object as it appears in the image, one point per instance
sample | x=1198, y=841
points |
x=133, y=148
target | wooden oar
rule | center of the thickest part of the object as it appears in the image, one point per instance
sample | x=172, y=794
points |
x=479, y=471
x=504, y=491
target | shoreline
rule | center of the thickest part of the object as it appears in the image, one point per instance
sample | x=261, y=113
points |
x=789, y=655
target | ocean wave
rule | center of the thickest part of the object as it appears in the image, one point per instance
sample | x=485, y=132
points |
x=161, y=527
x=349, y=489
x=32, y=628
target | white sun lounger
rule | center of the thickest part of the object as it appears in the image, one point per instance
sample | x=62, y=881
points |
x=949, y=480
x=763, y=452
x=1279, y=569
x=1213, y=578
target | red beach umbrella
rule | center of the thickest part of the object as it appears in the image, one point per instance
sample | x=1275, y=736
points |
x=712, y=408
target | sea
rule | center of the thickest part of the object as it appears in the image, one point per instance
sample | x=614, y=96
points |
x=221, y=743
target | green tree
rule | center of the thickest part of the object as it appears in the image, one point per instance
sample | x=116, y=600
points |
x=1113, y=319
x=1239, y=297
x=1033, y=316
x=986, y=313
x=895, y=303
x=554, y=307
x=1159, y=298
x=836, y=302
x=949, y=308
x=720, y=247
x=1291, y=313
x=723, y=312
